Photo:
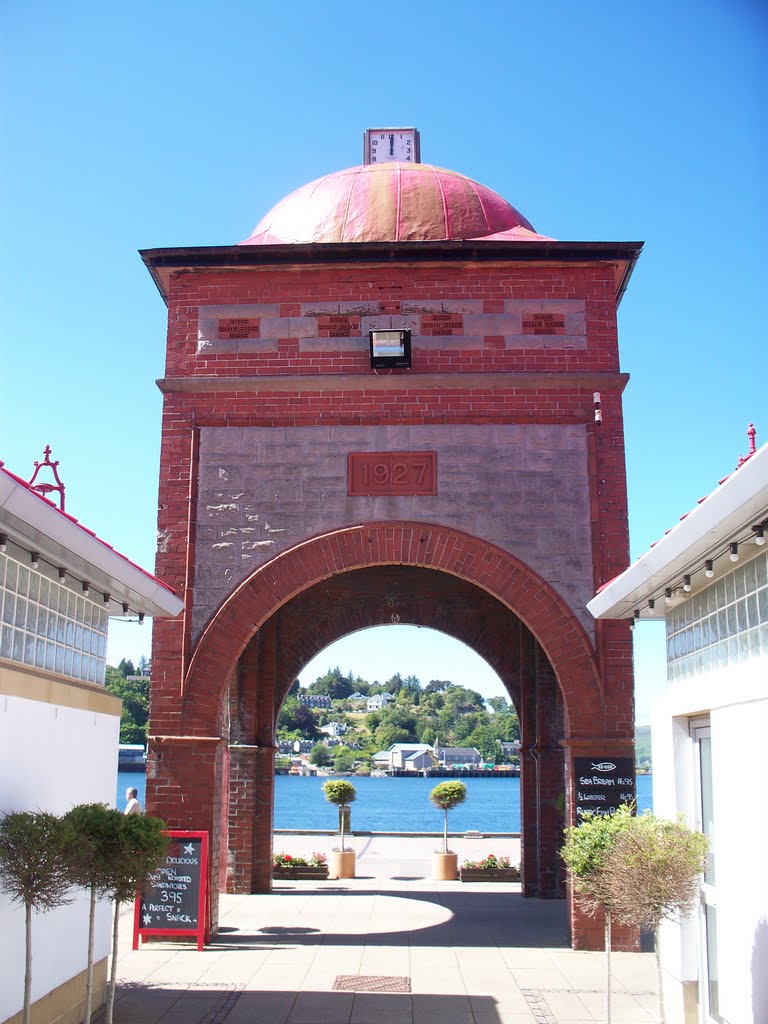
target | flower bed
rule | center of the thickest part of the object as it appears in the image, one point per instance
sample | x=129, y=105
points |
x=284, y=865
x=491, y=869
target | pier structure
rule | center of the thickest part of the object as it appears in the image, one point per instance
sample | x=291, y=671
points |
x=393, y=402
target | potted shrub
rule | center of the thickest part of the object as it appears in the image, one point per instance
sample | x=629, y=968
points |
x=490, y=869
x=446, y=796
x=341, y=863
x=285, y=865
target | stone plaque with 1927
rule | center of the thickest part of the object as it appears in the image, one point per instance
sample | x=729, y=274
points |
x=374, y=473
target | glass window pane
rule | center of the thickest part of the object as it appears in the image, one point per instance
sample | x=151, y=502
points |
x=707, y=803
x=713, y=987
x=6, y=641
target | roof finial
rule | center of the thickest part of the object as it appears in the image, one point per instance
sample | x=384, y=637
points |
x=46, y=489
x=751, y=434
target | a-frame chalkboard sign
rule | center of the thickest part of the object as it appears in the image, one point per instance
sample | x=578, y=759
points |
x=174, y=899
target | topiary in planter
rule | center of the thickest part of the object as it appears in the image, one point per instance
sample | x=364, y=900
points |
x=342, y=794
x=446, y=796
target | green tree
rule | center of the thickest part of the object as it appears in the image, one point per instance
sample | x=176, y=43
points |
x=343, y=758
x=484, y=739
x=342, y=794
x=333, y=684
x=126, y=668
x=320, y=756
x=446, y=796
x=386, y=735
x=652, y=872
x=34, y=871
x=585, y=852
x=500, y=705
x=134, y=693
x=296, y=718
x=94, y=827
x=137, y=844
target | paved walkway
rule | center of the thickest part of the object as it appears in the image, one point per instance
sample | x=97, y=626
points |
x=380, y=949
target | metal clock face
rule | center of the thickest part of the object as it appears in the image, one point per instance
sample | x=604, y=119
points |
x=383, y=145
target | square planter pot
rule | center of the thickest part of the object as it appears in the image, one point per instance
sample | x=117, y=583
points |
x=489, y=875
x=300, y=872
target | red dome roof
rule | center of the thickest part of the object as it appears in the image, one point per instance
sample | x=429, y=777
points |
x=391, y=202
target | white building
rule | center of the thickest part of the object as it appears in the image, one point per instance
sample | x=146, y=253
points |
x=378, y=701
x=708, y=578
x=334, y=729
x=59, y=728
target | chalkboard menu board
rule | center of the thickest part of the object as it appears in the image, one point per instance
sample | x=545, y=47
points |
x=603, y=784
x=173, y=901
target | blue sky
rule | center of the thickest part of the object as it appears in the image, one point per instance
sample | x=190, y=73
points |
x=181, y=123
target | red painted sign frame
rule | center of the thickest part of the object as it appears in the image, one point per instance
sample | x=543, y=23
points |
x=202, y=931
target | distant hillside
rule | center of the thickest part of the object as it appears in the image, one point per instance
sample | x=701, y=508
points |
x=643, y=746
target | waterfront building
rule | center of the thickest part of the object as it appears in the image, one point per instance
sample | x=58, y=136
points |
x=451, y=756
x=707, y=578
x=59, y=729
x=394, y=401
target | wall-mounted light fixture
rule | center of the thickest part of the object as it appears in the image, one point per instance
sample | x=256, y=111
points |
x=105, y=598
x=651, y=603
x=125, y=607
x=3, y=542
x=709, y=568
x=62, y=575
x=687, y=584
x=86, y=588
x=390, y=349
x=141, y=618
x=759, y=532
x=598, y=408
x=733, y=547
x=34, y=559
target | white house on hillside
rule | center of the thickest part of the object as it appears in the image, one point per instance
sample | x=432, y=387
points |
x=59, y=728
x=708, y=579
x=378, y=701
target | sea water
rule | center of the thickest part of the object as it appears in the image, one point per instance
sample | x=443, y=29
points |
x=393, y=804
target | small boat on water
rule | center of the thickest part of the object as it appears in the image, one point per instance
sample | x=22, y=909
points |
x=131, y=757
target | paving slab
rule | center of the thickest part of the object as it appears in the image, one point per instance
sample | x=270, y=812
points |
x=479, y=954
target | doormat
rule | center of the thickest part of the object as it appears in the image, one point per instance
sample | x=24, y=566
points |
x=371, y=983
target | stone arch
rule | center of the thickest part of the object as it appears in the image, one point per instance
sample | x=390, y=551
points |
x=524, y=592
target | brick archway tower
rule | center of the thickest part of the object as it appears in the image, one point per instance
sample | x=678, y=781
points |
x=304, y=494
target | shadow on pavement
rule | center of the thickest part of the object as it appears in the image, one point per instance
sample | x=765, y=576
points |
x=139, y=1004
x=472, y=919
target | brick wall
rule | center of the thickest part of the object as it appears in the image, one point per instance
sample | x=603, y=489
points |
x=268, y=388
